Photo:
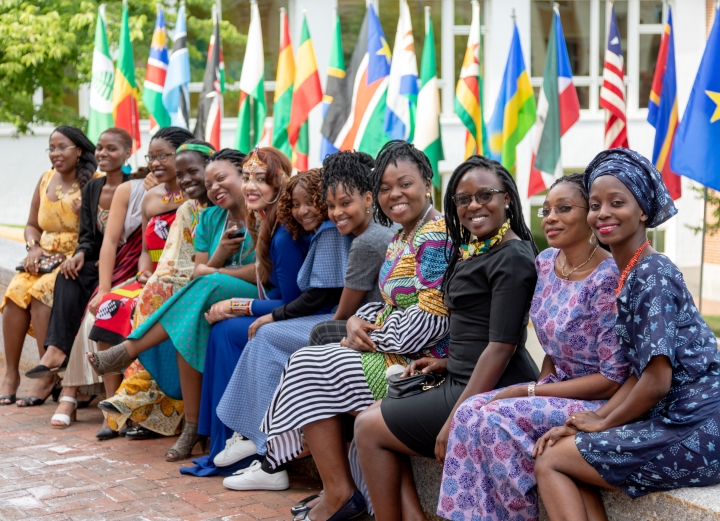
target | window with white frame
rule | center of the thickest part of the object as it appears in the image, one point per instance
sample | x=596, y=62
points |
x=585, y=27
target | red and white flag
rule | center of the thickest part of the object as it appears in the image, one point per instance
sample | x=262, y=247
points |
x=210, y=107
x=612, y=93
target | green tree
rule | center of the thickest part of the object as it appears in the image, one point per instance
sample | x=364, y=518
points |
x=48, y=44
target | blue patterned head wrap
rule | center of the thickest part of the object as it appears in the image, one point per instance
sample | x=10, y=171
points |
x=640, y=177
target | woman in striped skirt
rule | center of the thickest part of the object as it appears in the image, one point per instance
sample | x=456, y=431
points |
x=322, y=384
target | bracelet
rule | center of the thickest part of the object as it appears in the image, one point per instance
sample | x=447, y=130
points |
x=217, y=271
x=241, y=306
x=531, y=389
x=29, y=244
x=137, y=277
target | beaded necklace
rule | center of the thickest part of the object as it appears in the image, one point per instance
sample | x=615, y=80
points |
x=477, y=247
x=400, y=242
x=630, y=266
x=175, y=197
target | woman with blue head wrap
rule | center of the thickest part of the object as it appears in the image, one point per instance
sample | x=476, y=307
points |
x=660, y=430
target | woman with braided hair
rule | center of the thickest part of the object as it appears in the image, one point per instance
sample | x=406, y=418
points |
x=322, y=385
x=51, y=234
x=488, y=285
x=217, y=277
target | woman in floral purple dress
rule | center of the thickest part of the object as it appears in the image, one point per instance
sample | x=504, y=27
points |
x=488, y=471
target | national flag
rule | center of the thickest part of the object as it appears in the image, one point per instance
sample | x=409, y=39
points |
x=334, y=84
x=427, y=131
x=210, y=107
x=558, y=109
x=612, y=92
x=176, y=93
x=307, y=94
x=155, y=75
x=663, y=108
x=356, y=116
x=514, y=112
x=252, y=111
x=101, y=86
x=402, y=89
x=695, y=151
x=283, y=88
x=469, y=91
x=124, y=99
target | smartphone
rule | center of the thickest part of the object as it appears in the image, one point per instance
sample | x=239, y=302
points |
x=237, y=234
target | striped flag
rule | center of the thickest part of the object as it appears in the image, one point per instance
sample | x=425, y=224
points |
x=514, y=112
x=101, y=87
x=176, y=93
x=307, y=94
x=356, y=116
x=282, y=105
x=558, y=109
x=427, y=132
x=402, y=87
x=210, y=107
x=612, y=93
x=334, y=84
x=155, y=75
x=252, y=109
x=663, y=109
x=125, y=105
x=469, y=91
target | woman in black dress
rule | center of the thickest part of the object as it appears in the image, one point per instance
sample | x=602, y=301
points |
x=488, y=287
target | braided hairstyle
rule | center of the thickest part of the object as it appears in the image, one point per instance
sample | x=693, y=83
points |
x=311, y=181
x=457, y=233
x=277, y=174
x=224, y=154
x=392, y=152
x=351, y=169
x=576, y=180
x=203, y=155
x=176, y=136
x=87, y=164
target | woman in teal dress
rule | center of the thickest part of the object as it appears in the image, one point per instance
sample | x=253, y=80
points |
x=182, y=317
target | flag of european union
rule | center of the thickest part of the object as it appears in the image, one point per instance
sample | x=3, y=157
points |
x=695, y=153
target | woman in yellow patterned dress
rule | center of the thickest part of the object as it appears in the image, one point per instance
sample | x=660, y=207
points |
x=51, y=229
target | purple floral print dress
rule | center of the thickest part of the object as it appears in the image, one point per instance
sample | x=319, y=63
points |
x=489, y=469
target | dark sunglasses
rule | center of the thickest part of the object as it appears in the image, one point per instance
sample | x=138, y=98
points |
x=483, y=196
x=559, y=209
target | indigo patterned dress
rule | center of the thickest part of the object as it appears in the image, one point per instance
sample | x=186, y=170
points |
x=320, y=382
x=677, y=443
x=489, y=469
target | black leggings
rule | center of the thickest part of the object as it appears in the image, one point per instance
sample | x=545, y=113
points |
x=328, y=332
x=70, y=300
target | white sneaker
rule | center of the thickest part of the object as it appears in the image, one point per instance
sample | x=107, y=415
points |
x=236, y=449
x=255, y=478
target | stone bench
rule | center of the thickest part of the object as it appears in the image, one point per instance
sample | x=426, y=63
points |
x=688, y=504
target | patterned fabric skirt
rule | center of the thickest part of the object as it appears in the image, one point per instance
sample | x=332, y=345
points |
x=113, y=321
x=318, y=382
x=489, y=468
x=145, y=404
x=183, y=315
x=247, y=397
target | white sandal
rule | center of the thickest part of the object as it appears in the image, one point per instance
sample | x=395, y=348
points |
x=64, y=418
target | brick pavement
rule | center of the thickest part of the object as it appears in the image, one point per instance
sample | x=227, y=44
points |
x=48, y=474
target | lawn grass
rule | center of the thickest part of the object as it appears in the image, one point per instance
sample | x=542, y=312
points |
x=714, y=322
x=13, y=225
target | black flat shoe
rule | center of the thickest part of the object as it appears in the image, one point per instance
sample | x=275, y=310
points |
x=108, y=407
x=141, y=433
x=354, y=507
x=301, y=506
x=106, y=433
x=122, y=432
x=82, y=404
x=41, y=371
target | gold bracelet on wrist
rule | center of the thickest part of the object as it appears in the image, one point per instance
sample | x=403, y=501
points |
x=531, y=389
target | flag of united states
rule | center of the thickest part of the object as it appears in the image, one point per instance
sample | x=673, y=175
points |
x=612, y=93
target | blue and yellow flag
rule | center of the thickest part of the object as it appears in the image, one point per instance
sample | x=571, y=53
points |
x=695, y=152
x=514, y=112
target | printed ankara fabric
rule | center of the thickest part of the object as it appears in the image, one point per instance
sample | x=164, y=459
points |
x=673, y=445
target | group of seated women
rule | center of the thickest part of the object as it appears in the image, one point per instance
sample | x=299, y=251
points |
x=336, y=313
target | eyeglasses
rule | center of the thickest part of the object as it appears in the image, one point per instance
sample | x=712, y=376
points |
x=60, y=149
x=161, y=158
x=483, y=196
x=559, y=209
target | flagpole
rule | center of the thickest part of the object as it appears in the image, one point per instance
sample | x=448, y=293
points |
x=702, y=247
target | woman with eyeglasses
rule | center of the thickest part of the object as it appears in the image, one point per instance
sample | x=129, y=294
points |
x=489, y=464
x=51, y=234
x=488, y=287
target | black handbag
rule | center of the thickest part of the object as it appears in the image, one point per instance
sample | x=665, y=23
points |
x=412, y=385
x=47, y=263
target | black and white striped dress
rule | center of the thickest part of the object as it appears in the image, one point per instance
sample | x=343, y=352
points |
x=320, y=382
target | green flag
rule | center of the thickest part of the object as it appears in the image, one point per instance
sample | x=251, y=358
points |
x=101, y=86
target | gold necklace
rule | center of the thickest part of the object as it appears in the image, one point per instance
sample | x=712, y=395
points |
x=562, y=268
x=73, y=188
